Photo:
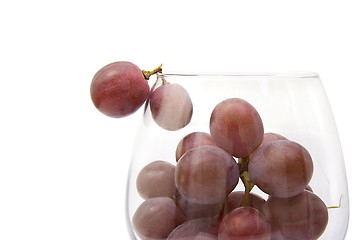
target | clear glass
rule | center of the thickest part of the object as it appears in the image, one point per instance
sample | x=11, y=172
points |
x=294, y=105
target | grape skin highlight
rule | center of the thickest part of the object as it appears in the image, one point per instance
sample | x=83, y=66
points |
x=281, y=168
x=236, y=126
x=119, y=89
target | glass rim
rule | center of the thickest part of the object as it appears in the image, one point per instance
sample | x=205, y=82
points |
x=285, y=74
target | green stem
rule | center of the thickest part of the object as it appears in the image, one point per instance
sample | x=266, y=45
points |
x=243, y=164
x=245, y=177
x=147, y=74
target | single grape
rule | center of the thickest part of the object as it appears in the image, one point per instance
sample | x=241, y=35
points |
x=156, y=180
x=119, y=89
x=156, y=218
x=235, y=200
x=193, y=140
x=190, y=230
x=206, y=175
x=281, y=168
x=193, y=209
x=302, y=217
x=171, y=106
x=244, y=223
x=236, y=126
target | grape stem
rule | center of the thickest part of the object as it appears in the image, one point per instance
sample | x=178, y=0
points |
x=147, y=74
x=245, y=178
x=243, y=164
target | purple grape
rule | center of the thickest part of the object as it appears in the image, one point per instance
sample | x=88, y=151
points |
x=156, y=218
x=119, y=89
x=206, y=175
x=281, y=168
x=302, y=217
x=236, y=126
x=171, y=106
x=156, y=180
x=245, y=223
x=193, y=140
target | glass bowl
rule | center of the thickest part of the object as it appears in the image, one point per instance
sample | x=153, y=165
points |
x=299, y=194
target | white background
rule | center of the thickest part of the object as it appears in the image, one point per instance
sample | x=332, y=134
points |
x=63, y=165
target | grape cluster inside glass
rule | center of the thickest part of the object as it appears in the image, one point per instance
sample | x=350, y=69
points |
x=215, y=190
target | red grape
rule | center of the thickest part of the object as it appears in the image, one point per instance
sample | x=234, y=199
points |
x=245, y=223
x=302, y=217
x=119, y=89
x=206, y=175
x=236, y=126
x=193, y=140
x=156, y=180
x=281, y=168
x=171, y=106
x=156, y=218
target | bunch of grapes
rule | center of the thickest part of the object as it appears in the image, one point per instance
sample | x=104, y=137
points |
x=121, y=88
x=195, y=197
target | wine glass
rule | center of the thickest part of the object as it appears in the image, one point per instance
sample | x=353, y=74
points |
x=291, y=105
